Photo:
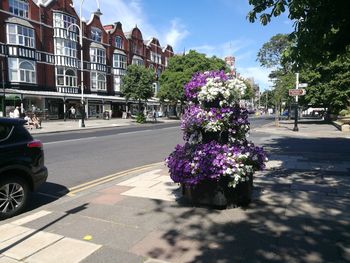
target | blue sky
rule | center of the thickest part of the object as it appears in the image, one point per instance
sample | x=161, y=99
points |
x=213, y=27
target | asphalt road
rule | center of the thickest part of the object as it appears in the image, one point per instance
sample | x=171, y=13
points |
x=73, y=158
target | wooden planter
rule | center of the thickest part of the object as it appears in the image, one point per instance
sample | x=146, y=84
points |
x=218, y=194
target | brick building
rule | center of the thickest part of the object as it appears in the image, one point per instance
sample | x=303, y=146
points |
x=40, y=59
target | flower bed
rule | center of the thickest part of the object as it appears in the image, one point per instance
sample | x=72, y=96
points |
x=217, y=161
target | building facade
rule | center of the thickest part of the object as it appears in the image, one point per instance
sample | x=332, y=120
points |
x=41, y=64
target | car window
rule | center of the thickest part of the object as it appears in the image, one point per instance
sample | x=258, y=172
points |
x=20, y=134
x=5, y=131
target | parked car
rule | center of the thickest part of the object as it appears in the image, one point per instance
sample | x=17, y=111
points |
x=22, y=168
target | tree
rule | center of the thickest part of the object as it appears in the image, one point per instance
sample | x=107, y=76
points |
x=271, y=54
x=137, y=84
x=249, y=92
x=180, y=70
x=321, y=28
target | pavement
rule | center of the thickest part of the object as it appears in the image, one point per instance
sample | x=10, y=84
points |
x=73, y=125
x=299, y=213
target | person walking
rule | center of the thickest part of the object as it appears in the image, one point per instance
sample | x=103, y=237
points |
x=16, y=112
x=154, y=113
x=72, y=112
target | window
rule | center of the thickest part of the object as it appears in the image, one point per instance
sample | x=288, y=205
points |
x=66, y=77
x=119, y=42
x=156, y=58
x=21, y=70
x=117, y=83
x=20, y=35
x=97, y=55
x=96, y=34
x=64, y=21
x=166, y=61
x=137, y=61
x=66, y=47
x=19, y=7
x=119, y=61
x=98, y=81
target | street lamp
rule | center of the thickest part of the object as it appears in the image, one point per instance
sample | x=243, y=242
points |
x=3, y=89
x=80, y=27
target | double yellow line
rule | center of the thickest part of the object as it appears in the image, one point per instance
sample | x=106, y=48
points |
x=76, y=189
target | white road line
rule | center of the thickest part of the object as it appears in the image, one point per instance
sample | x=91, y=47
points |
x=72, y=140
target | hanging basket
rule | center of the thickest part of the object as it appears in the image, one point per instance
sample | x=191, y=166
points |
x=218, y=194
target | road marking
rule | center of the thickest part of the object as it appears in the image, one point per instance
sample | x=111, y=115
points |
x=75, y=189
x=72, y=140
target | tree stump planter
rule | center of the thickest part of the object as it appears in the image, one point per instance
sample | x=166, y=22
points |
x=218, y=194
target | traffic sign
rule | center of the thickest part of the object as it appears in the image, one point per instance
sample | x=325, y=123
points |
x=297, y=92
x=302, y=85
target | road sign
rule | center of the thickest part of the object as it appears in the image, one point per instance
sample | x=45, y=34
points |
x=302, y=85
x=297, y=92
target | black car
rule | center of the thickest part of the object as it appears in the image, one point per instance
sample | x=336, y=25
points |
x=22, y=167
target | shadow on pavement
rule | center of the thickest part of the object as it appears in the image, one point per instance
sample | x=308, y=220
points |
x=47, y=193
x=293, y=217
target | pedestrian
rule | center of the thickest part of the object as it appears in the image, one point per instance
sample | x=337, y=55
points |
x=33, y=108
x=72, y=112
x=29, y=121
x=36, y=121
x=154, y=115
x=16, y=112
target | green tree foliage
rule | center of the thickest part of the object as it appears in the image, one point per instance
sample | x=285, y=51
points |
x=272, y=54
x=328, y=84
x=180, y=70
x=137, y=84
x=249, y=92
x=321, y=28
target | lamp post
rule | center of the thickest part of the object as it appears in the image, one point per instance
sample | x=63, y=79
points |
x=296, y=105
x=80, y=28
x=3, y=89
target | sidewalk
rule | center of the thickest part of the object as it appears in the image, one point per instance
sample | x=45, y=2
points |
x=300, y=213
x=307, y=128
x=73, y=125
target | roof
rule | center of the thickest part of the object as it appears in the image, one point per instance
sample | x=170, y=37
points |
x=12, y=121
x=17, y=20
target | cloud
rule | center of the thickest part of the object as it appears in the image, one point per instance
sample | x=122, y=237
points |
x=232, y=47
x=131, y=13
x=260, y=75
x=176, y=33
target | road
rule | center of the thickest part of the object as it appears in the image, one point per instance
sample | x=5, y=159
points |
x=74, y=158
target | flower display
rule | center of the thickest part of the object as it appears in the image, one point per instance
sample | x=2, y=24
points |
x=193, y=163
x=215, y=128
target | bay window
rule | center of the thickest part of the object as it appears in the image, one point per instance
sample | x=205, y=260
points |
x=98, y=81
x=20, y=35
x=97, y=55
x=66, y=47
x=22, y=70
x=66, y=77
x=119, y=61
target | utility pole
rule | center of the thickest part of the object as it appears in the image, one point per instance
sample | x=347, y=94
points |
x=296, y=105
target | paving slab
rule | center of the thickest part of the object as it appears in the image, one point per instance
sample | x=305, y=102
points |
x=9, y=231
x=4, y=259
x=113, y=255
x=27, y=244
x=66, y=250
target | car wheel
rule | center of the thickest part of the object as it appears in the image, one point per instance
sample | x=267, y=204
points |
x=13, y=196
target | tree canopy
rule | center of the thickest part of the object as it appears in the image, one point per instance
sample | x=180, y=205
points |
x=137, y=83
x=180, y=70
x=321, y=28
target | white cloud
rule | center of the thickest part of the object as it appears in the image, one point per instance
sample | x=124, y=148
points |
x=260, y=76
x=131, y=13
x=232, y=47
x=176, y=33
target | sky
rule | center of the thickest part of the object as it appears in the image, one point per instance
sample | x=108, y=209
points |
x=212, y=27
